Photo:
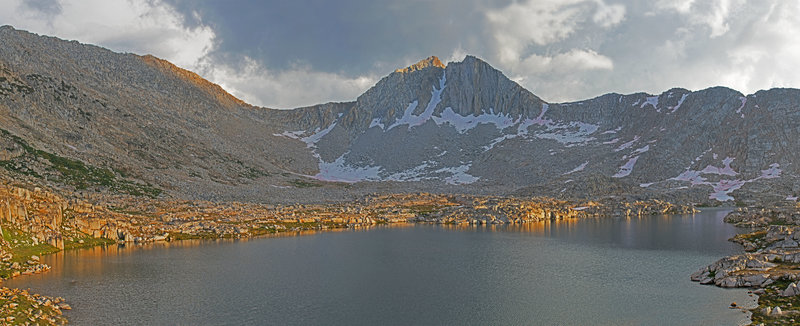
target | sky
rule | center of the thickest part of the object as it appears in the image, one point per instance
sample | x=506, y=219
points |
x=286, y=54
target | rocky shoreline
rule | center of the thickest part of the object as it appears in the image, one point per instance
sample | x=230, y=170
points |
x=36, y=222
x=770, y=265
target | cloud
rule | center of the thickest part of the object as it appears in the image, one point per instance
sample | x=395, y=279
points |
x=128, y=26
x=714, y=14
x=562, y=50
x=766, y=52
x=458, y=55
x=291, y=88
x=152, y=27
x=608, y=15
x=574, y=60
x=534, y=41
x=521, y=24
x=745, y=45
x=46, y=7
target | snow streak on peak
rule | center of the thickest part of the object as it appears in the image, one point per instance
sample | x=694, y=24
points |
x=415, y=120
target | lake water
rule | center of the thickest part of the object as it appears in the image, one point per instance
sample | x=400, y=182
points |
x=587, y=272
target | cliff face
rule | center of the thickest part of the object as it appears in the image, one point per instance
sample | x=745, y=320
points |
x=53, y=219
x=460, y=127
x=469, y=125
x=35, y=212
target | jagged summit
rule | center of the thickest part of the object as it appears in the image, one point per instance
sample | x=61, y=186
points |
x=432, y=61
x=463, y=127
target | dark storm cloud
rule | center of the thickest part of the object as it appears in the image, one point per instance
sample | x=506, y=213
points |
x=47, y=7
x=350, y=36
x=293, y=53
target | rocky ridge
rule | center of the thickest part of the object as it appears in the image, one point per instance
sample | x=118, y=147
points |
x=460, y=127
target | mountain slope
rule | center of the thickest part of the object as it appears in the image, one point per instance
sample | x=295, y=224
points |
x=460, y=127
x=139, y=115
x=468, y=124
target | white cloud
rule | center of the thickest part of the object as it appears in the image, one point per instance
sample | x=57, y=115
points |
x=295, y=87
x=521, y=28
x=562, y=50
x=128, y=26
x=458, y=55
x=745, y=45
x=538, y=22
x=152, y=27
x=574, y=60
x=765, y=52
x=523, y=24
x=608, y=15
x=588, y=48
x=714, y=14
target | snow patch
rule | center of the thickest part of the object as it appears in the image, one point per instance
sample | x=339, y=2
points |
x=772, y=172
x=577, y=169
x=744, y=101
x=628, y=144
x=291, y=134
x=641, y=150
x=680, y=102
x=312, y=140
x=413, y=174
x=454, y=175
x=611, y=131
x=652, y=100
x=725, y=170
x=498, y=140
x=571, y=133
x=721, y=189
x=463, y=124
x=627, y=168
x=376, y=123
x=339, y=171
x=460, y=175
x=691, y=176
x=540, y=119
x=415, y=120
x=701, y=155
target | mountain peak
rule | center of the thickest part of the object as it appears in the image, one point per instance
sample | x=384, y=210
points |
x=432, y=61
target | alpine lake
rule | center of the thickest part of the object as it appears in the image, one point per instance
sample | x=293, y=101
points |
x=612, y=271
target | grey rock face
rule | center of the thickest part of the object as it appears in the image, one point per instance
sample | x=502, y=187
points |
x=469, y=124
x=791, y=290
x=460, y=127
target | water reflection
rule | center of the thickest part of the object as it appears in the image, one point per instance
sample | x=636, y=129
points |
x=604, y=271
x=660, y=232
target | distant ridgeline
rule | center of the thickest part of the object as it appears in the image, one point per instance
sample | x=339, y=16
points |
x=82, y=118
